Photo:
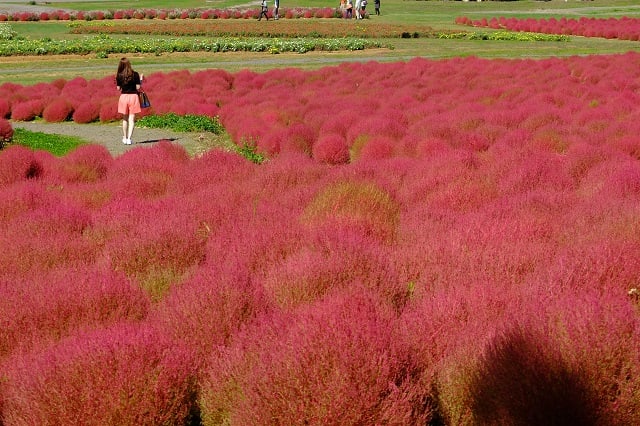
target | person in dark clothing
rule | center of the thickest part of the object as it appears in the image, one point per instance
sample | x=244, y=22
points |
x=376, y=5
x=264, y=10
x=128, y=83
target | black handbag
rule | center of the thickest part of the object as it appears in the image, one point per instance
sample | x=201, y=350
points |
x=144, y=99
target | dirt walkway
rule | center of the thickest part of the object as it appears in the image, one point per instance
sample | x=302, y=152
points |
x=110, y=135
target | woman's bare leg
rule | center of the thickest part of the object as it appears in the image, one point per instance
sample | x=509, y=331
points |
x=131, y=124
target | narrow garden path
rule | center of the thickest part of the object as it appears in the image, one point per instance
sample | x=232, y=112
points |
x=110, y=135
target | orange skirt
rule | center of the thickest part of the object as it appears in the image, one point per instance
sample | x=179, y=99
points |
x=129, y=104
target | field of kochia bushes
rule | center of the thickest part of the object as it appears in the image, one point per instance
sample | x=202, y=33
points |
x=431, y=242
x=624, y=28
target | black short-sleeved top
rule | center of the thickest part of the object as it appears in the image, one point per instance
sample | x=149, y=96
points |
x=129, y=88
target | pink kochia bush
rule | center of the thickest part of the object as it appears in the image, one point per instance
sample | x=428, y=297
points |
x=625, y=28
x=124, y=375
x=57, y=110
x=337, y=363
x=433, y=242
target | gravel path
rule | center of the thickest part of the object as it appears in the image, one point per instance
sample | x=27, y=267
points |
x=110, y=135
x=12, y=6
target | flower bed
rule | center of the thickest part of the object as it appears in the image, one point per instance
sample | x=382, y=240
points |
x=624, y=28
x=162, y=14
x=104, y=45
x=236, y=28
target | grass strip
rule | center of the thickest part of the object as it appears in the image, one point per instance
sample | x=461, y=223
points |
x=182, y=123
x=58, y=145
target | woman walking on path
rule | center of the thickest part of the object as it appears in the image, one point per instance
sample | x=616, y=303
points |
x=263, y=10
x=128, y=83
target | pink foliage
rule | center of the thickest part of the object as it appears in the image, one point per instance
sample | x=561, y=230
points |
x=226, y=300
x=109, y=110
x=54, y=305
x=86, y=112
x=331, y=149
x=381, y=267
x=18, y=163
x=299, y=138
x=335, y=362
x=377, y=148
x=27, y=110
x=624, y=28
x=523, y=379
x=57, y=110
x=86, y=163
x=53, y=225
x=126, y=375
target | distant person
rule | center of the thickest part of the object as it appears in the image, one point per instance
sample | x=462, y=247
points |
x=276, y=8
x=357, y=7
x=363, y=8
x=128, y=83
x=349, y=9
x=264, y=10
x=376, y=5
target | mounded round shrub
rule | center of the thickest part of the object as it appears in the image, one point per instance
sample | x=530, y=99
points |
x=49, y=306
x=359, y=206
x=331, y=149
x=27, y=110
x=522, y=380
x=377, y=148
x=86, y=163
x=18, y=163
x=109, y=110
x=126, y=375
x=335, y=362
x=86, y=112
x=300, y=138
x=57, y=110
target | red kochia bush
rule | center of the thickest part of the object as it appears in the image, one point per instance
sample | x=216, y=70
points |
x=159, y=251
x=109, y=110
x=522, y=379
x=86, y=112
x=56, y=227
x=126, y=375
x=57, y=110
x=225, y=299
x=360, y=206
x=331, y=149
x=47, y=307
x=86, y=163
x=27, y=110
x=335, y=362
x=18, y=163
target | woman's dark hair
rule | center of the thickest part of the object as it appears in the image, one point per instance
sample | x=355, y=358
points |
x=125, y=71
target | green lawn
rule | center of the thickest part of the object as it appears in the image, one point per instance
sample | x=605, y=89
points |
x=58, y=145
x=438, y=14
